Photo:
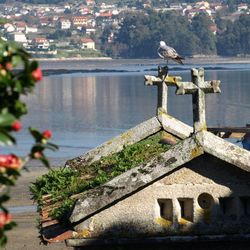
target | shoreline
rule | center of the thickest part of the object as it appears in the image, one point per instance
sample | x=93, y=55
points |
x=205, y=59
x=80, y=65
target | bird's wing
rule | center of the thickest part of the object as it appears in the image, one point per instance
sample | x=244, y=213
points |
x=171, y=52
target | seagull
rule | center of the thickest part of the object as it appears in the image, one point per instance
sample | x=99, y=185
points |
x=166, y=52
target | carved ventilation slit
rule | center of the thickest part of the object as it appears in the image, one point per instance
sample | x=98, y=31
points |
x=245, y=205
x=166, y=209
x=186, y=208
x=227, y=206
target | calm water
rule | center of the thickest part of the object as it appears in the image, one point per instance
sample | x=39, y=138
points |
x=84, y=110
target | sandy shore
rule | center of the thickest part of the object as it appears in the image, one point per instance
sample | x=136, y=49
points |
x=26, y=236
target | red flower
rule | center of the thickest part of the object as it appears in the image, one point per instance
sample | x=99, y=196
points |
x=47, y=134
x=37, y=74
x=16, y=125
x=8, y=66
x=5, y=218
x=37, y=155
x=10, y=161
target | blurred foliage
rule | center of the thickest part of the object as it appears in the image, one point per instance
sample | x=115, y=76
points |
x=18, y=77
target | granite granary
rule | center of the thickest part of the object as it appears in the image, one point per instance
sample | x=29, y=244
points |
x=198, y=188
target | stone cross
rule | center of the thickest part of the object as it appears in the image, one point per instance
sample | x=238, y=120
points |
x=198, y=88
x=162, y=81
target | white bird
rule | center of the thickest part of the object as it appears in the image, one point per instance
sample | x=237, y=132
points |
x=166, y=52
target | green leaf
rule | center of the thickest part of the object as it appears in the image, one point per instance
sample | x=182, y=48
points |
x=6, y=181
x=16, y=60
x=4, y=198
x=36, y=134
x=53, y=146
x=6, y=119
x=33, y=65
x=20, y=107
x=18, y=86
x=45, y=161
x=6, y=139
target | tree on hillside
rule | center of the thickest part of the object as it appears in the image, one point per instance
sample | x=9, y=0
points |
x=201, y=28
x=236, y=38
x=139, y=35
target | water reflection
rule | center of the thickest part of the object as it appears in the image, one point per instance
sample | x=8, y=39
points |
x=84, y=111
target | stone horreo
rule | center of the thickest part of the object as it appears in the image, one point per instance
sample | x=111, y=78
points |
x=198, y=189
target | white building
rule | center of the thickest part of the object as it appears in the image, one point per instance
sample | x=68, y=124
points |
x=87, y=43
x=18, y=37
x=31, y=29
x=9, y=27
x=65, y=24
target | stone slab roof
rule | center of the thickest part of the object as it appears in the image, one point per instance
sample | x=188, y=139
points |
x=161, y=122
x=140, y=177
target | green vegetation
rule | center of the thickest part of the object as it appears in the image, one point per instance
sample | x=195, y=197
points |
x=139, y=35
x=79, y=53
x=235, y=39
x=63, y=183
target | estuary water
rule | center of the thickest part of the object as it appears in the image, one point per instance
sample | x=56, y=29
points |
x=85, y=109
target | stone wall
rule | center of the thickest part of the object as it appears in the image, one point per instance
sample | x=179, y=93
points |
x=205, y=196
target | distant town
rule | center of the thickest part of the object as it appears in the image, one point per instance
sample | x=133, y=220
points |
x=77, y=29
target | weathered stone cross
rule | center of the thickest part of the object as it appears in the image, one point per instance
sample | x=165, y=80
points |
x=162, y=81
x=198, y=88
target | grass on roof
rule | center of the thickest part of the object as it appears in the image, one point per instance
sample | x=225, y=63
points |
x=64, y=183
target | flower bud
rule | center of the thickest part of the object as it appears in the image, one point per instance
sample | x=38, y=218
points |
x=8, y=66
x=10, y=161
x=37, y=74
x=47, y=134
x=5, y=218
x=37, y=155
x=16, y=126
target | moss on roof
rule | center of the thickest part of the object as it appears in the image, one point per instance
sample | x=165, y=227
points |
x=64, y=183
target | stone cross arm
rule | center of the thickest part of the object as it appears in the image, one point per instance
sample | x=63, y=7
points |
x=162, y=84
x=154, y=80
x=190, y=88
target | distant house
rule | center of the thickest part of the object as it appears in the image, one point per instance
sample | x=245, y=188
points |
x=59, y=9
x=44, y=21
x=84, y=11
x=79, y=21
x=41, y=43
x=175, y=6
x=20, y=26
x=90, y=2
x=106, y=15
x=18, y=37
x=87, y=43
x=65, y=23
x=90, y=30
x=31, y=29
x=9, y=27
x=242, y=7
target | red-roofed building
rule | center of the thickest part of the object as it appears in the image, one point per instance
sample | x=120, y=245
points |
x=41, y=43
x=87, y=43
x=79, y=21
x=20, y=26
x=106, y=15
